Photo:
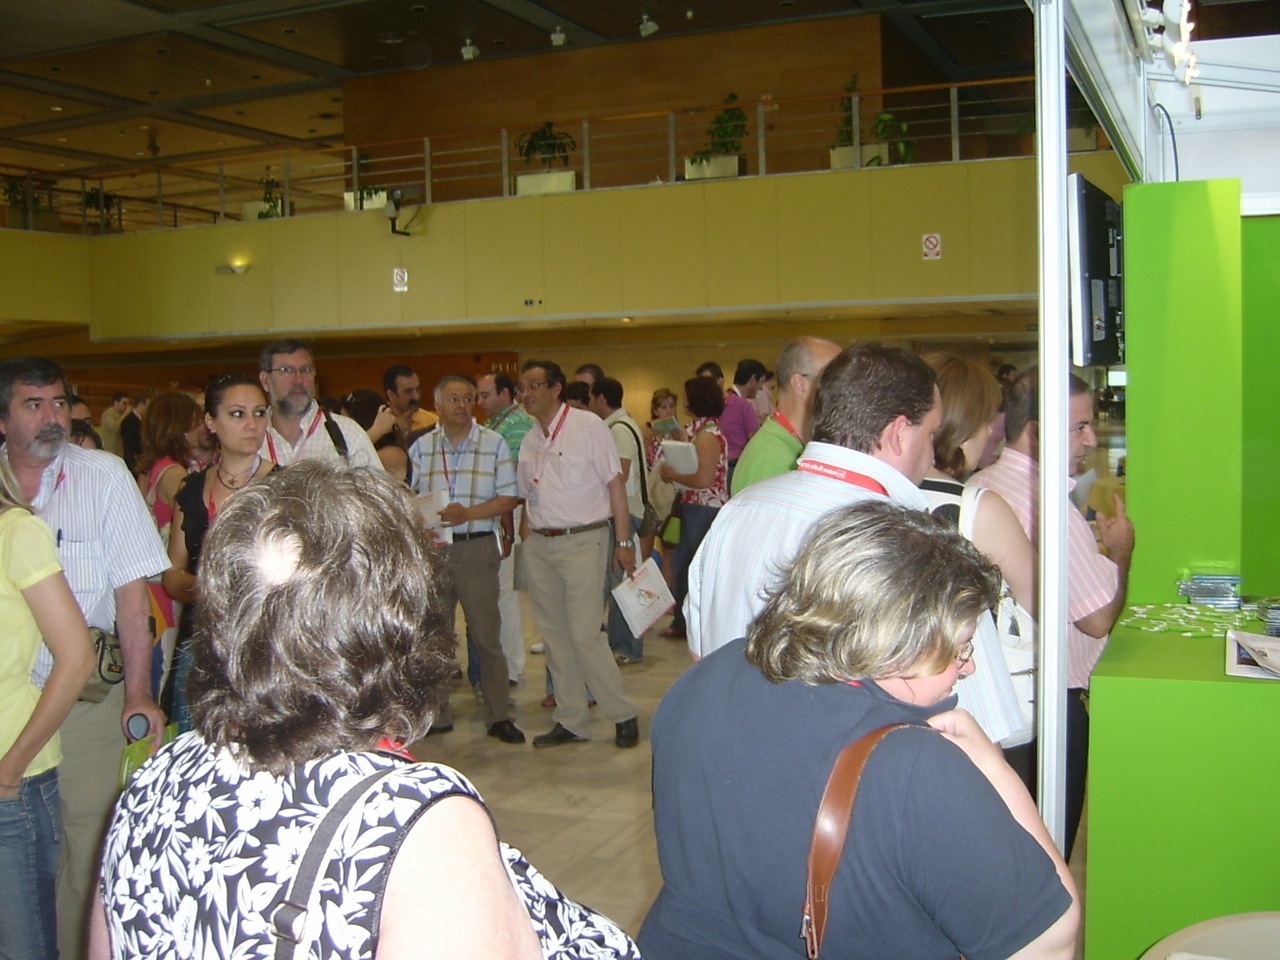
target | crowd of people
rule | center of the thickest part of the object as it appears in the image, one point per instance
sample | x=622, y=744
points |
x=278, y=576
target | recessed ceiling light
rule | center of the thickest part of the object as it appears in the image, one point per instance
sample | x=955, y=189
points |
x=500, y=42
x=311, y=130
x=389, y=37
x=418, y=8
x=335, y=99
x=56, y=109
x=255, y=76
x=379, y=59
x=139, y=153
x=143, y=126
x=982, y=24
x=55, y=69
x=162, y=49
x=289, y=30
x=62, y=139
x=155, y=93
x=59, y=164
x=239, y=113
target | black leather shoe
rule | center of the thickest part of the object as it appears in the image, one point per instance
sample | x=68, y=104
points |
x=507, y=732
x=628, y=733
x=556, y=736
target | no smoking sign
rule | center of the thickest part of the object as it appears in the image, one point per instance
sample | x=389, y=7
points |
x=931, y=246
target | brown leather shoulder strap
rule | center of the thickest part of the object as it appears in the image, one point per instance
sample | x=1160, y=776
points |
x=830, y=828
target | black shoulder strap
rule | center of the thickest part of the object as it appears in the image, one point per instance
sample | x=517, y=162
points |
x=644, y=486
x=335, y=434
x=289, y=920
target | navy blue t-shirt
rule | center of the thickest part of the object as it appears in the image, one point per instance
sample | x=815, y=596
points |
x=935, y=864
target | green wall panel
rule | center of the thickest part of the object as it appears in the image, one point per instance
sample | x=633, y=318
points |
x=1183, y=352
x=1260, y=490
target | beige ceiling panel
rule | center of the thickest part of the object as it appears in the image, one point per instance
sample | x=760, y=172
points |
x=303, y=117
x=134, y=139
x=20, y=159
x=20, y=107
x=156, y=67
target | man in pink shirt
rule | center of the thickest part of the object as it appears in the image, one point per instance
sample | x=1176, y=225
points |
x=1096, y=583
x=740, y=421
x=570, y=479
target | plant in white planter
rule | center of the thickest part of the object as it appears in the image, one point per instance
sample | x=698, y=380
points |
x=892, y=132
x=722, y=156
x=551, y=147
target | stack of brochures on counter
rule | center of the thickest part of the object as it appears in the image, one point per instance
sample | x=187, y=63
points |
x=1253, y=655
x=1221, y=591
x=1269, y=614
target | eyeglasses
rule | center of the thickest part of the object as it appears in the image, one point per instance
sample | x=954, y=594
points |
x=535, y=384
x=964, y=653
x=285, y=370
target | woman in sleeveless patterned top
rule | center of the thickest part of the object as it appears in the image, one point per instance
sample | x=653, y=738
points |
x=322, y=645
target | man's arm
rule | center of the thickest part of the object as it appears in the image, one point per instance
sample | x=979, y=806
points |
x=625, y=555
x=1117, y=536
x=455, y=513
x=133, y=613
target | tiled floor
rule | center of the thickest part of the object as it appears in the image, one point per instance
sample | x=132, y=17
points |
x=580, y=812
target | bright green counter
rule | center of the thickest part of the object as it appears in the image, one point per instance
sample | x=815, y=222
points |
x=1184, y=779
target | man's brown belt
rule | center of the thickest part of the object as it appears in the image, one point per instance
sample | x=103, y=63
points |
x=565, y=531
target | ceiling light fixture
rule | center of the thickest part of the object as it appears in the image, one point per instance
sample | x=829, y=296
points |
x=237, y=267
x=647, y=27
x=469, y=50
x=557, y=37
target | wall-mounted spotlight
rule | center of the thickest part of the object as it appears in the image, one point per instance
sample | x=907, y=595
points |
x=395, y=201
x=238, y=267
x=469, y=50
x=557, y=37
x=1167, y=31
x=647, y=27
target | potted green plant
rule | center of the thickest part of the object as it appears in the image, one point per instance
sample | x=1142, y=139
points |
x=270, y=206
x=722, y=156
x=892, y=132
x=551, y=147
x=98, y=205
x=25, y=209
x=370, y=196
x=843, y=156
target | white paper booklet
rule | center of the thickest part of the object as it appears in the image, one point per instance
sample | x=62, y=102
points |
x=643, y=598
x=682, y=456
x=1263, y=651
x=429, y=506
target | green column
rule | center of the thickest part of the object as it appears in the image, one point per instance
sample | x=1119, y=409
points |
x=1260, y=419
x=1184, y=358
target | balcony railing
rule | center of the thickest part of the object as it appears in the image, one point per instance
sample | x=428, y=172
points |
x=925, y=124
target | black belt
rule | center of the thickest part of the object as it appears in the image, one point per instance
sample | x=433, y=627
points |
x=471, y=536
x=565, y=531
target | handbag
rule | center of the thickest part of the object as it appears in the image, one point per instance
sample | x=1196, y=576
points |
x=108, y=666
x=650, y=521
x=830, y=828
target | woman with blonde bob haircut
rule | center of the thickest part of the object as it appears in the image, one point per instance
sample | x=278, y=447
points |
x=946, y=855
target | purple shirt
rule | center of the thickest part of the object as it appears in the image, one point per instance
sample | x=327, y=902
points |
x=738, y=422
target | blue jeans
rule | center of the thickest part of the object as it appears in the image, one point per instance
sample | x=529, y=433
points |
x=620, y=638
x=30, y=839
x=695, y=521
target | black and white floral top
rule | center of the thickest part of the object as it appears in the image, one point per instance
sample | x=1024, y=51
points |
x=200, y=851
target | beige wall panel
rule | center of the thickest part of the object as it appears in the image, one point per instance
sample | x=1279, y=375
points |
x=663, y=248
x=582, y=253
x=178, y=271
x=436, y=258
x=824, y=237
x=1003, y=226
x=906, y=203
x=45, y=277
x=119, y=286
x=304, y=274
x=368, y=252
x=504, y=257
x=742, y=241
x=240, y=303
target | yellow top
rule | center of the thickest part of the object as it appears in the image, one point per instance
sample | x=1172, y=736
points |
x=27, y=556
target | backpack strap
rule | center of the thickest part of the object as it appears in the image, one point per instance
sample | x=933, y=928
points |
x=289, y=919
x=335, y=434
x=644, y=480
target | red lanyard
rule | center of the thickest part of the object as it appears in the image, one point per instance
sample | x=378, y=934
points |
x=271, y=445
x=387, y=745
x=786, y=424
x=844, y=476
x=540, y=463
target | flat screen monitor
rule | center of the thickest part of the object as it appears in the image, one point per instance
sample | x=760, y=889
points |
x=1095, y=262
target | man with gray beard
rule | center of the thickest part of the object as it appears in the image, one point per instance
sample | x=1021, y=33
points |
x=299, y=429
x=108, y=546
